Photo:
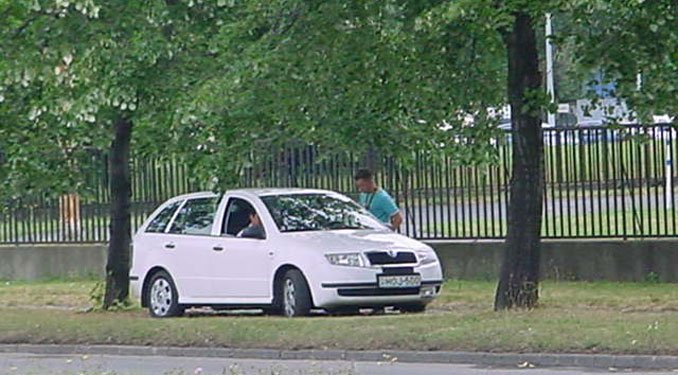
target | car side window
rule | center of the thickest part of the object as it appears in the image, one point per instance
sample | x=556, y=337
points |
x=160, y=221
x=237, y=216
x=195, y=217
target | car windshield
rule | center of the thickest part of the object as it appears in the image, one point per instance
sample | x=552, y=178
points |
x=314, y=212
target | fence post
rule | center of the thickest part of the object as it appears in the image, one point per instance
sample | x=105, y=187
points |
x=668, y=175
x=70, y=215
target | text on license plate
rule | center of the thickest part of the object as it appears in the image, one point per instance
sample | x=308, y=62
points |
x=400, y=281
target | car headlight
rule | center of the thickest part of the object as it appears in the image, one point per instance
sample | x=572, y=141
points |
x=426, y=257
x=346, y=259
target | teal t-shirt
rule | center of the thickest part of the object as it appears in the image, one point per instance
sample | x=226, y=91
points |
x=380, y=204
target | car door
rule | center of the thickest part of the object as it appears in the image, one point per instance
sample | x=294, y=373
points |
x=148, y=243
x=189, y=243
x=246, y=261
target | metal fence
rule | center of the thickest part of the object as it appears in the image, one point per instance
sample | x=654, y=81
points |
x=599, y=183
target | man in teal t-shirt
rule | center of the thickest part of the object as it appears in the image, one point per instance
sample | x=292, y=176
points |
x=377, y=200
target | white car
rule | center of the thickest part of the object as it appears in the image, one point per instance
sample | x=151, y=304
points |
x=318, y=250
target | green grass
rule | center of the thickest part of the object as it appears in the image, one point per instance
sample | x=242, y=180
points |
x=56, y=293
x=628, y=159
x=646, y=221
x=614, y=224
x=37, y=228
x=572, y=317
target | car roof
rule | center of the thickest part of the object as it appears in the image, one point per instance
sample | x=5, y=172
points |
x=259, y=192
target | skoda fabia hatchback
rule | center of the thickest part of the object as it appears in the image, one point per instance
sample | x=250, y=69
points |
x=286, y=251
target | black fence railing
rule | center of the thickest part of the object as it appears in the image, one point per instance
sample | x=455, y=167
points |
x=599, y=183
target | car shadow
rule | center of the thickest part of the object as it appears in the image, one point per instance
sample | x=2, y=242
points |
x=204, y=312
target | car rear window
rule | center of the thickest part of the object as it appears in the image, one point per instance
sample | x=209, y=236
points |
x=160, y=221
x=195, y=217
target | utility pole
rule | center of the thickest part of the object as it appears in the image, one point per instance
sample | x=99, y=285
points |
x=668, y=156
x=668, y=135
x=550, y=87
x=668, y=189
x=639, y=81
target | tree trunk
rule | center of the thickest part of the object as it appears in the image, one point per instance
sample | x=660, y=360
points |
x=520, y=269
x=118, y=263
x=371, y=157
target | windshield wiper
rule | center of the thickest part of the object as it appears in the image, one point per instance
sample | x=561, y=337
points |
x=301, y=230
x=346, y=227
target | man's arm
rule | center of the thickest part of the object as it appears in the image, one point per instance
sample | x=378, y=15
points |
x=389, y=205
x=396, y=220
x=253, y=231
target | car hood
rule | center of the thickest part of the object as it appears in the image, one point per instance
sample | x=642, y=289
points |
x=352, y=240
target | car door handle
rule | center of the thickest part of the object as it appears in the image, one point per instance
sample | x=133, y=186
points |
x=169, y=245
x=218, y=248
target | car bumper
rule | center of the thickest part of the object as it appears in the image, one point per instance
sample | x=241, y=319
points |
x=364, y=291
x=135, y=287
x=371, y=295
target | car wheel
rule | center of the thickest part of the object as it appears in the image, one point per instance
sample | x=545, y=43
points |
x=162, y=296
x=412, y=308
x=295, y=295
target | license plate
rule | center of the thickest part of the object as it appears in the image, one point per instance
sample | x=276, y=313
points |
x=400, y=281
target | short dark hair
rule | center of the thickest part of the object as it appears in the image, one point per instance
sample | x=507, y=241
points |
x=363, y=174
x=249, y=210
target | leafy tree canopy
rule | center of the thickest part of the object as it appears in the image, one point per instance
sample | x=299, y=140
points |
x=210, y=81
x=71, y=68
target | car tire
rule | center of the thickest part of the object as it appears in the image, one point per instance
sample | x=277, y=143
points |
x=412, y=308
x=295, y=296
x=162, y=296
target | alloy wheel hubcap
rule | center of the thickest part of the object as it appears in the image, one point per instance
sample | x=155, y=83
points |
x=289, y=298
x=161, y=297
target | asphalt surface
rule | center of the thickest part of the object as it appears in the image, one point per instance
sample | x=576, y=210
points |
x=34, y=364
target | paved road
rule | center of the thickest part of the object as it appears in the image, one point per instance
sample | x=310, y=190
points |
x=12, y=364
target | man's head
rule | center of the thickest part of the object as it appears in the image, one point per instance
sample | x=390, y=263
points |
x=364, y=181
x=254, y=218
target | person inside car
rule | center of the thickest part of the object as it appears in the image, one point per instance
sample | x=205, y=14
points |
x=255, y=229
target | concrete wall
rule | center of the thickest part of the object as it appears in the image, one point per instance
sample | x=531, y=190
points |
x=563, y=260
x=612, y=260
x=50, y=261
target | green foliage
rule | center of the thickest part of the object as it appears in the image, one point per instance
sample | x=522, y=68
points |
x=71, y=68
x=652, y=278
x=96, y=295
x=345, y=76
x=213, y=82
x=624, y=38
x=96, y=300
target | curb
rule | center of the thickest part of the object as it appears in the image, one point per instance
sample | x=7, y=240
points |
x=478, y=358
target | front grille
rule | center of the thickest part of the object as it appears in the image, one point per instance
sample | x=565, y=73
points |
x=376, y=292
x=398, y=270
x=382, y=257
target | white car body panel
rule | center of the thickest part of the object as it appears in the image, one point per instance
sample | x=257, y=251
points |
x=243, y=271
